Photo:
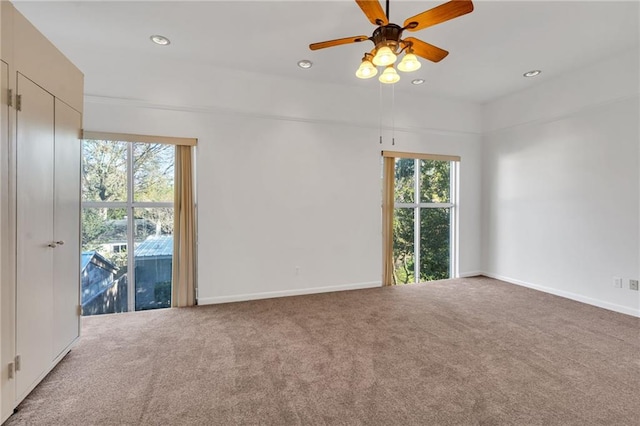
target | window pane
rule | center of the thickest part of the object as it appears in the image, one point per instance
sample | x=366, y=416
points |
x=435, y=181
x=434, y=243
x=405, y=180
x=104, y=171
x=403, y=246
x=153, y=172
x=104, y=261
x=153, y=254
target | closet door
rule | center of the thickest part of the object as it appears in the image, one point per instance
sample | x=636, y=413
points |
x=66, y=228
x=7, y=307
x=34, y=203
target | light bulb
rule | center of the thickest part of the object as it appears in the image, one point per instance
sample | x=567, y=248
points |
x=409, y=63
x=384, y=56
x=389, y=75
x=366, y=70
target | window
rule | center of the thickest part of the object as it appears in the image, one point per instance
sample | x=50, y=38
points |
x=420, y=216
x=127, y=225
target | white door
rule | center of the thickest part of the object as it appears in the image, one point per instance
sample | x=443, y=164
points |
x=8, y=296
x=34, y=181
x=66, y=232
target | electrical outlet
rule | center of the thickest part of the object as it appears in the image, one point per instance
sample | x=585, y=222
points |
x=633, y=285
x=617, y=282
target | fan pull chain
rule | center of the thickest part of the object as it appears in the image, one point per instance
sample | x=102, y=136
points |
x=393, y=115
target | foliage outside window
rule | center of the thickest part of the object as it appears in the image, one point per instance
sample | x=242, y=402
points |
x=423, y=218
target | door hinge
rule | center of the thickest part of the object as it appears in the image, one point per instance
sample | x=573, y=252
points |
x=19, y=102
x=11, y=370
x=17, y=361
x=79, y=310
x=10, y=97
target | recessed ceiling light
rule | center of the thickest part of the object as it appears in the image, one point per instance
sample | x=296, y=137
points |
x=305, y=64
x=161, y=40
x=417, y=81
x=532, y=73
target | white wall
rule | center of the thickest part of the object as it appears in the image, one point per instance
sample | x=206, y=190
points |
x=289, y=173
x=542, y=218
x=561, y=185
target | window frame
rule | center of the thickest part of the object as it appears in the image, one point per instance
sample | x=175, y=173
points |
x=130, y=205
x=417, y=205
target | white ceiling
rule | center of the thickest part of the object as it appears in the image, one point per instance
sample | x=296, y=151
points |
x=490, y=48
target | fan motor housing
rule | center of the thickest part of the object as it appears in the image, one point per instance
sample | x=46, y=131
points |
x=387, y=35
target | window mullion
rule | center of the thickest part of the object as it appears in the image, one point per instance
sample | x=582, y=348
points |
x=416, y=225
x=105, y=204
x=152, y=204
x=405, y=205
x=435, y=205
x=131, y=274
x=454, y=222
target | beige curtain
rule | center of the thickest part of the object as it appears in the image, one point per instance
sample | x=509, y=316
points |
x=183, y=230
x=387, y=220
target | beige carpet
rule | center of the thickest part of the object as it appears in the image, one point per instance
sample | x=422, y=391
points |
x=459, y=352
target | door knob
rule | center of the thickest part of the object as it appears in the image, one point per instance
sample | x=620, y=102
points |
x=60, y=243
x=52, y=245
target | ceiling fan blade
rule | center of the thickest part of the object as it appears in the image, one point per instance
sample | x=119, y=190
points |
x=426, y=50
x=438, y=14
x=374, y=11
x=338, y=42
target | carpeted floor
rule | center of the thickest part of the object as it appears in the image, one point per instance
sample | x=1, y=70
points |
x=458, y=352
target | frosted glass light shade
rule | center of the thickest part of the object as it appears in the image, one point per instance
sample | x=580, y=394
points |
x=389, y=76
x=366, y=70
x=384, y=56
x=409, y=63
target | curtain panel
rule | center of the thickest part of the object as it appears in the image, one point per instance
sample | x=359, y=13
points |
x=184, y=230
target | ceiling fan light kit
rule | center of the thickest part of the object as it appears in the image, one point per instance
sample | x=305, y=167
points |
x=389, y=75
x=366, y=69
x=389, y=43
x=384, y=56
x=409, y=63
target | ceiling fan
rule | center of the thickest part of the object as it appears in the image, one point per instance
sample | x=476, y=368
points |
x=389, y=43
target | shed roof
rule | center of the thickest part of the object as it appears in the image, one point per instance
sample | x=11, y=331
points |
x=97, y=259
x=155, y=246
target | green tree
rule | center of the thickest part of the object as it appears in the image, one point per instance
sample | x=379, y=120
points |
x=153, y=172
x=153, y=176
x=403, y=222
x=403, y=246
x=93, y=225
x=104, y=171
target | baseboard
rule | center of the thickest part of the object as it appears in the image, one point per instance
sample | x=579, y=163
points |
x=568, y=295
x=285, y=293
x=470, y=274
